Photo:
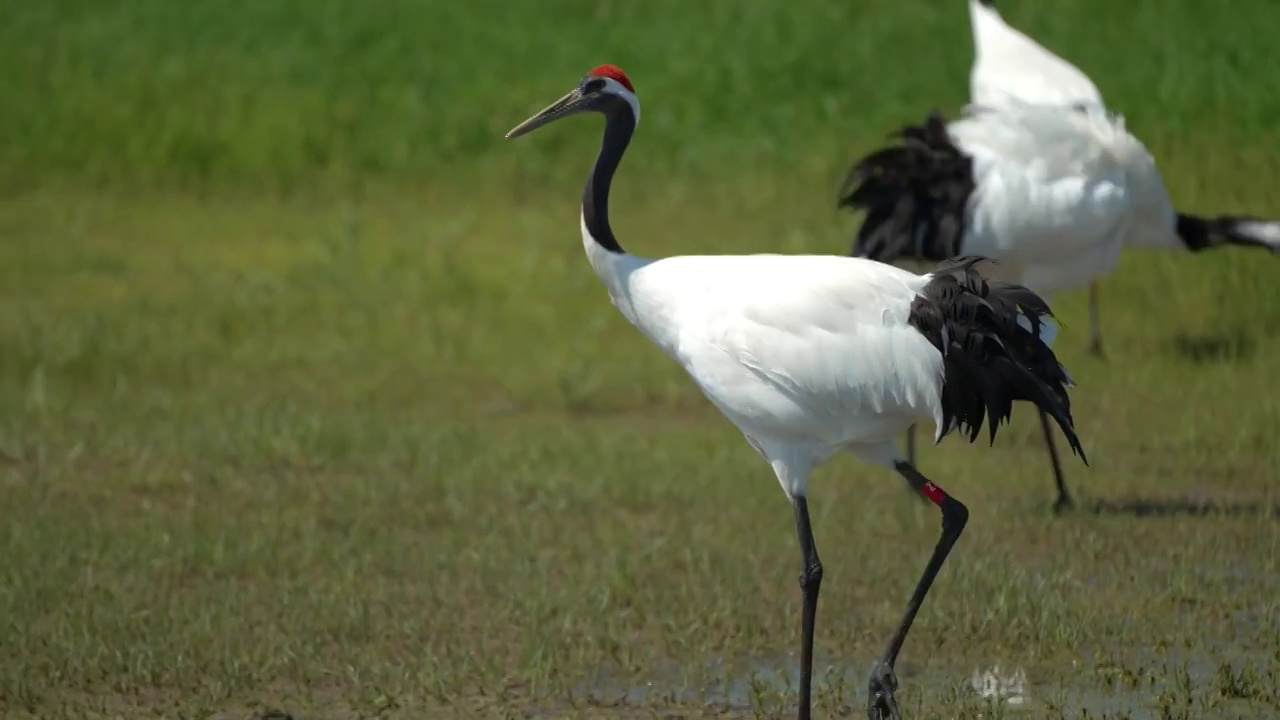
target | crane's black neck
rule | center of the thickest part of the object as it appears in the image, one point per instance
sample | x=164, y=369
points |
x=1202, y=233
x=620, y=124
x=1197, y=233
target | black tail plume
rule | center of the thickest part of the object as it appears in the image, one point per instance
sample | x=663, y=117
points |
x=1201, y=233
x=993, y=352
x=914, y=194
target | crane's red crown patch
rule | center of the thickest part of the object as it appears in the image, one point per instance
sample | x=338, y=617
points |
x=614, y=72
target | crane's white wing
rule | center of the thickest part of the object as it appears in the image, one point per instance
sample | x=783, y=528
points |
x=813, y=350
x=1008, y=64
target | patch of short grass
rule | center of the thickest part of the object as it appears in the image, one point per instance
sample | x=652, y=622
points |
x=273, y=455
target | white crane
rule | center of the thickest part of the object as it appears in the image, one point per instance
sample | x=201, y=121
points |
x=812, y=355
x=1008, y=66
x=1036, y=175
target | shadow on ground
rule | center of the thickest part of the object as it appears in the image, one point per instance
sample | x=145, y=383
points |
x=1213, y=348
x=1140, y=507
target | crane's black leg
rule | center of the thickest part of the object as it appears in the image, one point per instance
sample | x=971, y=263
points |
x=911, y=453
x=881, y=703
x=911, y=444
x=1064, y=501
x=810, y=580
x=1095, y=330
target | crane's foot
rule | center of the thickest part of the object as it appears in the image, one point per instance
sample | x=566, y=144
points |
x=1063, y=504
x=881, y=703
x=1095, y=348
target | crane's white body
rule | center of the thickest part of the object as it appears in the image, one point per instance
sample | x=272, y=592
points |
x=807, y=355
x=1059, y=192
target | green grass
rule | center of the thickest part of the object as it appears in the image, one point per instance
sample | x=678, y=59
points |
x=284, y=94
x=308, y=400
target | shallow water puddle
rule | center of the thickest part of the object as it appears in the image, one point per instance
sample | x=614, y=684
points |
x=1144, y=686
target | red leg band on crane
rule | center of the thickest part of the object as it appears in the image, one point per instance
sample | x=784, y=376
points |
x=934, y=493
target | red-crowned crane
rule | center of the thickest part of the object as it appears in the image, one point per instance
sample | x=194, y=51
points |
x=811, y=355
x=1036, y=175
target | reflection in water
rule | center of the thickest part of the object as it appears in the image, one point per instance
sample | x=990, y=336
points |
x=995, y=684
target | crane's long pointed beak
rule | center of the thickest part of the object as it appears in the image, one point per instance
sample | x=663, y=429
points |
x=573, y=102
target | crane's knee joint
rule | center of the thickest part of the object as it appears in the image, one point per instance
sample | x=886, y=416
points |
x=954, y=516
x=811, y=577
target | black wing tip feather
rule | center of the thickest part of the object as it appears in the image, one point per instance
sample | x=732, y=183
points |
x=990, y=360
x=914, y=193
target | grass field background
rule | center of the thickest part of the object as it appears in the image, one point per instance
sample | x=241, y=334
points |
x=309, y=401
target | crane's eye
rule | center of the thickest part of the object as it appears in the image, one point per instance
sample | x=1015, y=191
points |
x=594, y=85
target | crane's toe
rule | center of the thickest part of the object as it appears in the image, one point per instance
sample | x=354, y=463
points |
x=1095, y=348
x=881, y=703
x=1063, y=504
